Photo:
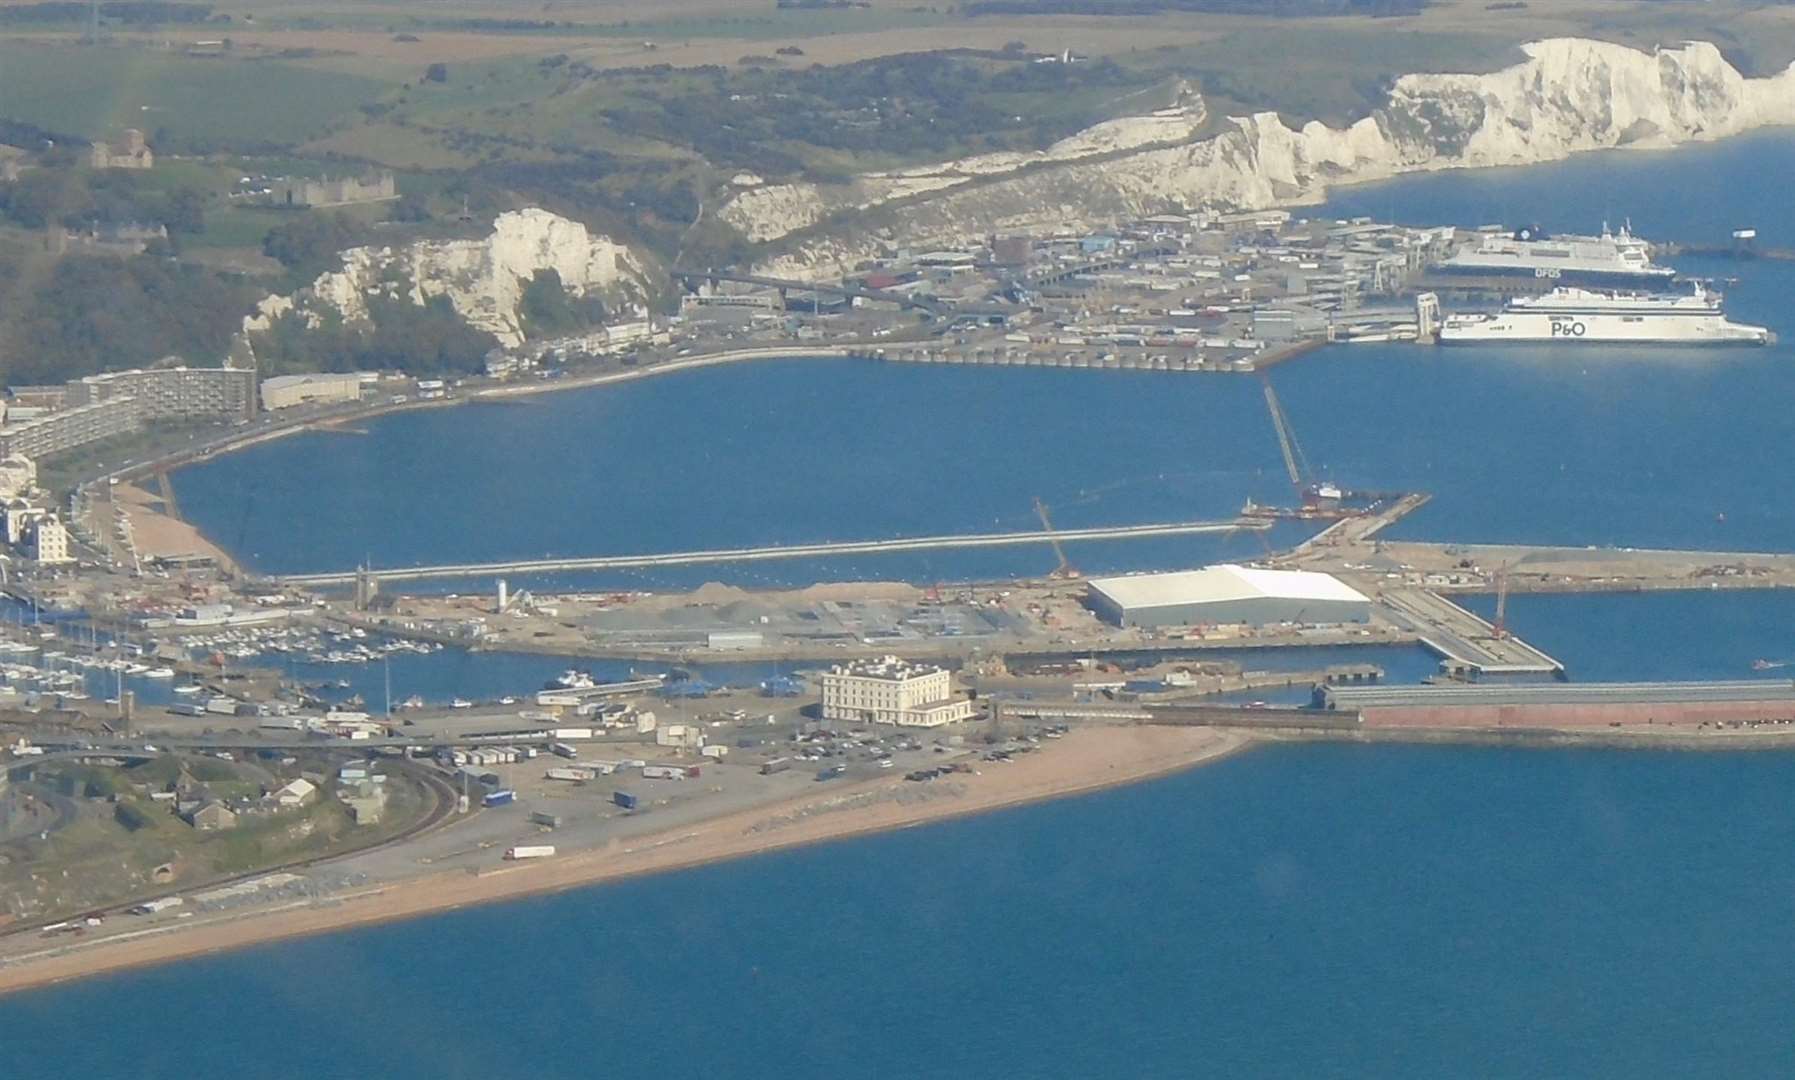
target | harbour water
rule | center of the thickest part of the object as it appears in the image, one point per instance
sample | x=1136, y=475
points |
x=1299, y=910
x=1341, y=910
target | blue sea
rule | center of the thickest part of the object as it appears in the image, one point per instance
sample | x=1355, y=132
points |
x=1293, y=911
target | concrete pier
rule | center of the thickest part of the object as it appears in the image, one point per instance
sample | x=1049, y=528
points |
x=792, y=551
x=1095, y=357
x=1466, y=644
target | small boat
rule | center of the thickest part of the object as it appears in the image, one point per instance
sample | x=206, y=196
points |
x=461, y=703
x=160, y=673
x=187, y=688
x=1768, y=665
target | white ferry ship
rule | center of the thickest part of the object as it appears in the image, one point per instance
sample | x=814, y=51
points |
x=1611, y=260
x=1586, y=315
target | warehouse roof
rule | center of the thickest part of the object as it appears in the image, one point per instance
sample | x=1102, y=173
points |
x=1215, y=584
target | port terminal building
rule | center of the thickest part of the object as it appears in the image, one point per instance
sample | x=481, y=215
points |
x=1224, y=594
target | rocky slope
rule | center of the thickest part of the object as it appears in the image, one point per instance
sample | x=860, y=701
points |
x=484, y=279
x=1568, y=96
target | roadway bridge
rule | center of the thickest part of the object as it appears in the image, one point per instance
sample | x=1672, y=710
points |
x=760, y=554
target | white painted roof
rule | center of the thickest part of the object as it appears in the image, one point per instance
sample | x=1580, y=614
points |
x=1216, y=584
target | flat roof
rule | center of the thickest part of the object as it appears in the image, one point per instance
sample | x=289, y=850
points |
x=282, y=381
x=1614, y=693
x=1218, y=584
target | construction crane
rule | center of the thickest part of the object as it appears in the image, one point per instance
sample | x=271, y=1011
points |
x=1065, y=569
x=1295, y=463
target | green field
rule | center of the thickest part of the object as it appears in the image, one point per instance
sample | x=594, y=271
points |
x=94, y=91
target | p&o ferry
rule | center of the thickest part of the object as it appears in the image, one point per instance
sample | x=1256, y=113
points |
x=1587, y=315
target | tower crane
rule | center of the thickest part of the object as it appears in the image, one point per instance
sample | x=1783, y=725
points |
x=1065, y=569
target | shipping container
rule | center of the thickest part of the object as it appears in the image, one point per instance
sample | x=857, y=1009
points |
x=624, y=799
x=504, y=797
x=778, y=764
x=545, y=819
x=536, y=851
x=571, y=774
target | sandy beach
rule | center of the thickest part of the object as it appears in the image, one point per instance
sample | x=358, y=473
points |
x=1085, y=760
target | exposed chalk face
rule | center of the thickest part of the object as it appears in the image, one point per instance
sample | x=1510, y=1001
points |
x=484, y=279
x=1569, y=95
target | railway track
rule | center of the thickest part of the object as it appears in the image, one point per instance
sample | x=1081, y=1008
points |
x=443, y=810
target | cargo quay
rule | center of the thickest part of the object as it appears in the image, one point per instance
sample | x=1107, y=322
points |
x=1717, y=714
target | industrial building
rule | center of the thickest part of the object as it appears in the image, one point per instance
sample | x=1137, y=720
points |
x=1227, y=594
x=892, y=691
x=286, y=391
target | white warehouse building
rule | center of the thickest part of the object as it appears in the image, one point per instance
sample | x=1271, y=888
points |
x=1227, y=594
x=892, y=691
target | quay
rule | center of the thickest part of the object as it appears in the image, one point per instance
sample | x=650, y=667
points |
x=1174, y=359
x=789, y=551
x=1735, y=703
x=1468, y=646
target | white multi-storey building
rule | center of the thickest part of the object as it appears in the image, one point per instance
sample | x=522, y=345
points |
x=892, y=691
x=50, y=541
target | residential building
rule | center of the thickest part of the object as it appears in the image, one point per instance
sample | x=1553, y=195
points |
x=50, y=541
x=286, y=391
x=18, y=473
x=892, y=691
x=175, y=393
x=295, y=793
x=617, y=335
x=55, y=432
x=128, y=151
x=20, y=515
x=329, y=191
x=104, y=238
x=213, y=816
x=365, y=800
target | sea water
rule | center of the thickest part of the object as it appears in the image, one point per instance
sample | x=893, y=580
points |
x=1296, y=910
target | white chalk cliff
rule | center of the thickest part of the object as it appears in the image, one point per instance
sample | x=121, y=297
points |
x=484, y=279
x=1569, y=95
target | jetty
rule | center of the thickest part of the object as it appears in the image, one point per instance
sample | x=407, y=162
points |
x=786, y=551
